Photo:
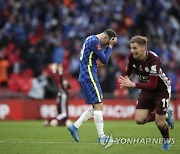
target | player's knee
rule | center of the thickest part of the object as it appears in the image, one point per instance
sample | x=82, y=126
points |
x=140, y=121
x=98, y=106
x=160, y=122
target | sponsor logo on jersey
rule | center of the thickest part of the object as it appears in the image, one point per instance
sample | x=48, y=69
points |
x=143, y=78
x=134, y=66
x=146, y=69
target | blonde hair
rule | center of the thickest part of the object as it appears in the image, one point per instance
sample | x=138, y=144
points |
x=141, y=40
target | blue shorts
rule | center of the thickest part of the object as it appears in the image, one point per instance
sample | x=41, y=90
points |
x=92, y=92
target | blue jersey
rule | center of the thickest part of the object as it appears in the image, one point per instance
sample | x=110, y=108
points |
x=90, y=52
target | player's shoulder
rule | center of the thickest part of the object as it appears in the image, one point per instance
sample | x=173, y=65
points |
x=153, y=59
x=130, y=57
x=153, y=56
x=92, y=39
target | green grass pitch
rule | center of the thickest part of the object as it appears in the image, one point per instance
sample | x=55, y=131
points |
x=31, y=137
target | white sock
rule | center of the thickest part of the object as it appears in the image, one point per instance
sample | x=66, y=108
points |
x=84, y=117
x=98, y=120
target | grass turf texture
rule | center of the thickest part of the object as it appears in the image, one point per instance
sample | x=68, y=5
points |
x=31, y=137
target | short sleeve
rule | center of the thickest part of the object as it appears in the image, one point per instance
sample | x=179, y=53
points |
x=155, y=67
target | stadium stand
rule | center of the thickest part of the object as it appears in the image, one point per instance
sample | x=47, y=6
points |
x=34, y=33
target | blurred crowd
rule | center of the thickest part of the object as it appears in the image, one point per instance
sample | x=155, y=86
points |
x=37, y=33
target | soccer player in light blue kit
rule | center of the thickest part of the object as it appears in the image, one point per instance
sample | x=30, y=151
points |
x=88, y=79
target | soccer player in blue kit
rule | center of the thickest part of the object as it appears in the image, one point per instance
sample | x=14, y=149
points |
x=88, y=79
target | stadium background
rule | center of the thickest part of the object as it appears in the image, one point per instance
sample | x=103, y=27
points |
x=36, y=33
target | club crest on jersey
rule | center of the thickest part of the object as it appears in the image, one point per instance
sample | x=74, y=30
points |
x=146, y=69
x=98, y=46
x=134, y=66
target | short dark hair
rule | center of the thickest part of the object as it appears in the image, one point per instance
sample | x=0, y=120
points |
x=110, y=33
x=141, y=40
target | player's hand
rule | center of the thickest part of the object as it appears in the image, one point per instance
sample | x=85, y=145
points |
x=125, y=82
x=112, y=41
x=122, y=87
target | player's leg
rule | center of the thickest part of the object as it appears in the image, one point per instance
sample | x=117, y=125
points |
x=53, y=121
x=141, y=116
x=87, y=89
x=97, y=97
x=62, y=103
x=93, y=95
x=151, y=116
x=62, y=116
x=84, y=117
x=62, y=113
x=144, y=108
x=162, y=103
x=164, y=129
x=98, y=118
x=58, y=102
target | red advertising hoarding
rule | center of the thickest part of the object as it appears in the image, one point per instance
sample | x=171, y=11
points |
x=27, y=109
